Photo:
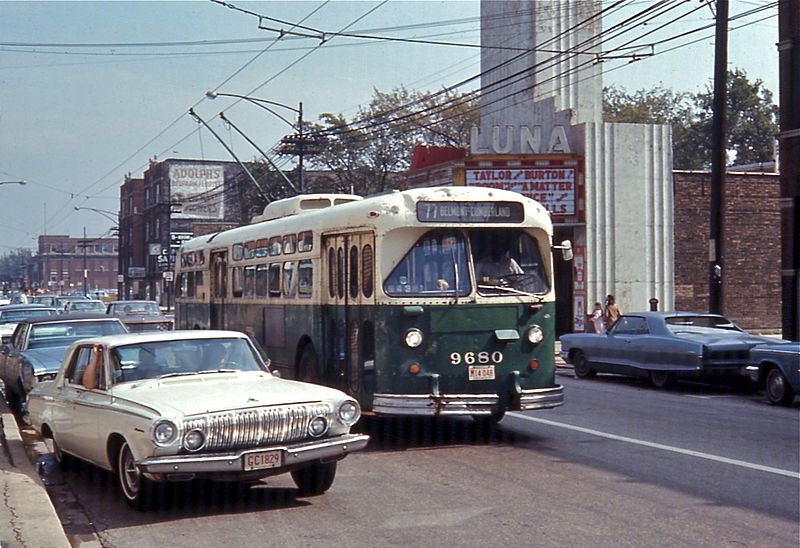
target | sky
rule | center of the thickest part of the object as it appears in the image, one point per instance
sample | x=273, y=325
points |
x=92, y=91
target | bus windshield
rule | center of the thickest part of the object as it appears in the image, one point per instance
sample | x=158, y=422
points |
x=506, y=262
x=436, y=265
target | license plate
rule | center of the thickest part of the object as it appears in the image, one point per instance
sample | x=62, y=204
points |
x=481, y=372
x=263, y=459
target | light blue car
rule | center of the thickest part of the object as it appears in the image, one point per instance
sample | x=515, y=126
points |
x=777, y=368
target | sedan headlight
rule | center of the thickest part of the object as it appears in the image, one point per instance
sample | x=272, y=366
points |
x=413, y=338
x=349, y=412
x=318, y=426
x=535, y=334
x=164, y=432
x=194, y=440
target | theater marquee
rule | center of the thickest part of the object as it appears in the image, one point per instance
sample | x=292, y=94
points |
x=553, y=187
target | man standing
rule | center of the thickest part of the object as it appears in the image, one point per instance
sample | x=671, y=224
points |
x=612, y=311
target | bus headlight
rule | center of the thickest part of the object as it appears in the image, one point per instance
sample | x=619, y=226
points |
x=535, y=334
x=413, y=338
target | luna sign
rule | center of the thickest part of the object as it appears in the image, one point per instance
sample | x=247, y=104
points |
x=511, y=139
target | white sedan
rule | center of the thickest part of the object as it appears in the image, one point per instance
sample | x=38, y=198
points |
x=179, y=405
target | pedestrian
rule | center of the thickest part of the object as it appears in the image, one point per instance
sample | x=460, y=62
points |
x=598, y=319
x=613, y=311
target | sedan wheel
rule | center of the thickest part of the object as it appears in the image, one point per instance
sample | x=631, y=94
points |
x=778, y=389
x=61, y=458
x=135, y=487
x=315, y=478
x=581, y=366
x=661, y=379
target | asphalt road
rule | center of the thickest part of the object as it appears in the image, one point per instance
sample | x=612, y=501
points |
x=621, y=464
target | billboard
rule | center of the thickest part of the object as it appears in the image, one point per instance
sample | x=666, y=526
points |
x=553, y=187
x=199, y=189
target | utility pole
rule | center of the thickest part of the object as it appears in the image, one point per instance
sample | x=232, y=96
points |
x=789, y=147
x=85, y=273
x=300, y=147
x=716, y=247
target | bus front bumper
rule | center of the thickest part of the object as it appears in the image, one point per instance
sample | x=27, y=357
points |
x=465, y=404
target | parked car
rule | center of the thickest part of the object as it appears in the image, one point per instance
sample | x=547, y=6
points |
x=94, y=306
x=62, y=300
x=776, y=367
x=173, y=406
x=12, y=314
x=44, y=300
x=38, y=346
x=663, y=346
x=140, y=315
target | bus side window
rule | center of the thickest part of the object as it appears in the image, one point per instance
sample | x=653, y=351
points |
x=332, y=272
x=188, y=284
x=354, y=272
x=340, y=273
x=195, y=289
x=289, y=279
x=275, y=279
x=180, y=285
x=238, y=289
x=366, y=271
x=289, y=243
x=250, y=281
x=305, y=278
x=261, y=280
x=305, y=241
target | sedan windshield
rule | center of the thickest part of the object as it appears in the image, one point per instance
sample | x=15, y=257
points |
x=161, y=359
x=87, y=306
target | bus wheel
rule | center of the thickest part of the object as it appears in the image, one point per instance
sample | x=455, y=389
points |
x=308, y=366
x=581, y=366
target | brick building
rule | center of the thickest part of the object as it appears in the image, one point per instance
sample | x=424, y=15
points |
x=752, y=246
x=61, y=260
x=131, y=238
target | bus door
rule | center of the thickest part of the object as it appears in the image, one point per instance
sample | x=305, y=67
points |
x=349, y=279
x=218, y=291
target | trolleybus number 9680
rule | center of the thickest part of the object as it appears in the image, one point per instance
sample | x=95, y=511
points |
x=472, y=358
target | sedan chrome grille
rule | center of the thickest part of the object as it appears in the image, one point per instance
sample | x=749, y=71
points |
x=257, y=426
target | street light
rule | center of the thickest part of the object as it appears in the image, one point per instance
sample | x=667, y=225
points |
x=23, y=182
x=295, y=144
x=111, y=216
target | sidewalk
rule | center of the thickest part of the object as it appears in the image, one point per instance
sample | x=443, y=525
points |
x=27, y=517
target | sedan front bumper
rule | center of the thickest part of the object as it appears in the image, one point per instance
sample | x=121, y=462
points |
x=233, y=463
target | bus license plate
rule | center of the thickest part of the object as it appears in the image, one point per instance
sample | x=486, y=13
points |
x=481, y=372
x=263, y=459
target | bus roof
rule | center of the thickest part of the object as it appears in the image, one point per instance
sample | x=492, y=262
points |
x=385, y=212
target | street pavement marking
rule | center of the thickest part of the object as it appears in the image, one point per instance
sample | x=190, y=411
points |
x=689, y=452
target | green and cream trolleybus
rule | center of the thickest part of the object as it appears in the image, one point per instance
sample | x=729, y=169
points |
x=431, y=301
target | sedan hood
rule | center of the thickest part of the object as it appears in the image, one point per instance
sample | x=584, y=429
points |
x=227, y=391
x=46, y=360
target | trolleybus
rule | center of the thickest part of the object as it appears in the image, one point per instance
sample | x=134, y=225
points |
x=434, y=301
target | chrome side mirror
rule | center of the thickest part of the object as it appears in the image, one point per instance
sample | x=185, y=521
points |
x=566, y=249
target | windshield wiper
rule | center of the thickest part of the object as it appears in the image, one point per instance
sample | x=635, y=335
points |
x=510, y=290
x=177, y=374
x=221, y=370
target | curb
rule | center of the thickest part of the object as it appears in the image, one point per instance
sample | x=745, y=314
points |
x=25, y=506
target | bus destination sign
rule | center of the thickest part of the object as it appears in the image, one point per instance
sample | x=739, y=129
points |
x=470, y=212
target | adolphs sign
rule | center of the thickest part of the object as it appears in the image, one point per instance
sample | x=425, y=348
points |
x=198, y=188
x=553, y=187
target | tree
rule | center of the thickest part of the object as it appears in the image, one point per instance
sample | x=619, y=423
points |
x=363, y=154
x=752, y=119
x=13, y=265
